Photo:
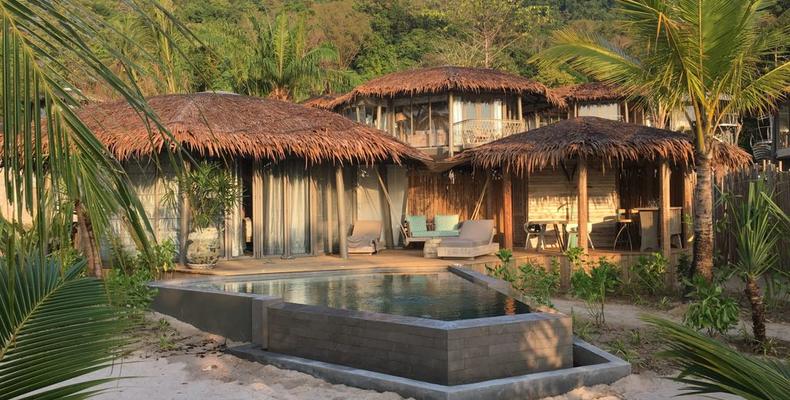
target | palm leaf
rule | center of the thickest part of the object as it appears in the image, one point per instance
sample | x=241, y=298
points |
x=54, y=327
x=707, y=366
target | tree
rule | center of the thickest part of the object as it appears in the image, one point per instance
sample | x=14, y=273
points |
x=688, y=51
x=51, y=163
x=758, y=225
x=284, y=67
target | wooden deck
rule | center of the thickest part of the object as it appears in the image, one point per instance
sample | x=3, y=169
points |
x=405, y=259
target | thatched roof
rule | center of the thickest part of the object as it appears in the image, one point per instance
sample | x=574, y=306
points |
x=212, y=124
x=442, y=79
x=613, y=142
x=591, y=91
x=325, y=101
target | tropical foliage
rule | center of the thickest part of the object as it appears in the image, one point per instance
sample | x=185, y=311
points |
x=55, y=323
x=716, y=56
x=708, y=366
x=210, y=190
x=758, y=225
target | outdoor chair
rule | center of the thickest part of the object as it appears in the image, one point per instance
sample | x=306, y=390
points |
x=474, y=239
x=623, y=224
x=365, y=237
x=415, y=228
x=573, y=235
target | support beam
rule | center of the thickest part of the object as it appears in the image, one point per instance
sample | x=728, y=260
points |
x=451, y=117
x=583, y=214
x=257, y=210
x=688, y=208
x=286, y=210
x=183, y=223
x=520, y=109
x=507, y=207
x=341, y=211
x=386, y=211
x=664, y=210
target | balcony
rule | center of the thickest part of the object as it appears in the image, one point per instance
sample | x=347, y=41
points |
x=474, y=132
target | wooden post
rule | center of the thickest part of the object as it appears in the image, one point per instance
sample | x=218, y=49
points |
x=183, y=223
x=341, y=211
x=520, y=109
x=386, y=212
x=330, y=240
x=507, y=206
x=688, y=208
x=286, y=210
x=583, y=205
x=451, y=117
x=257, y=209
x=664, y=209
x=379, y=122
x=626, y=112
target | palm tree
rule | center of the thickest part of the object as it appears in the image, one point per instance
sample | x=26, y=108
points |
x=694, y=52
x=758, y=225
x=285, y=67
x=56, y=324
x=708, y=366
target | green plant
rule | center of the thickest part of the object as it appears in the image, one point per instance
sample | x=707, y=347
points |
x=647, y=275
x=57, y=321
x=130, y=291
x=595, y=286
x=581, y=328
x=685, y=273
x=758, y=224
x=210, y=189
x=503, y=272
x=710, y=309
x=537, y=283
x=575, y=256
x=692, y=55
x=708, y=366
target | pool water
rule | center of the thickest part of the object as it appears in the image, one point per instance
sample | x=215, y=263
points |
x=436, y=295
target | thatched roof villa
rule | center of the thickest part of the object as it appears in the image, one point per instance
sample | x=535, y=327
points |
x=583, y=170
x=295, y=165
x=443, y=110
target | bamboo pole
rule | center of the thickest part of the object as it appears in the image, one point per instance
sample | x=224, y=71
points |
x=480, y=199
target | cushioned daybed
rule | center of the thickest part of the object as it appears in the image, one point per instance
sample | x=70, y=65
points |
x=474, y=239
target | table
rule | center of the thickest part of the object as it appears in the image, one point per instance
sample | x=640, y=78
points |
x=555, y=223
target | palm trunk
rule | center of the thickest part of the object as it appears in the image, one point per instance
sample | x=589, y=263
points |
x=703, y=217
x=88, y=241
x=758, y=309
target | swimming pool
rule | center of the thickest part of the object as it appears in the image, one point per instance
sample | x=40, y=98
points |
x=440, y=295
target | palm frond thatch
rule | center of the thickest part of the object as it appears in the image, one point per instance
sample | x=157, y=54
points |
x=326, y=101
x=442, y=79
x=613, y=142
x=590, y=91
x=220, y=124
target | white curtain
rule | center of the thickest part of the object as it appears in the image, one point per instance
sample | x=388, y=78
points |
x=458, y=108
x=273, y=206
x=608, y=111
x=299, y=199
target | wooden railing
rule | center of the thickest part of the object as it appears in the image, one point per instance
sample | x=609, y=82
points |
x=475, y=132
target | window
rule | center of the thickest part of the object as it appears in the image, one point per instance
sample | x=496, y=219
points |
x=783, y=126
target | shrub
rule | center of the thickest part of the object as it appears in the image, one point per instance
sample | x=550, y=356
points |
x=502, y=272
x=647, y=275
x=594, y=286
x=710, y=310
x=537, y=283
x=127, y=282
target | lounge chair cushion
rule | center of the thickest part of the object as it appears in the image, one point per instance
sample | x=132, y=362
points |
x=365, y=234
x=417, y=223
x=432, y=234
x=445, y=222
x=458, y=242
x=477, y=230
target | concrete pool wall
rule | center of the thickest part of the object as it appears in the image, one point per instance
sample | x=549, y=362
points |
x=444, y=353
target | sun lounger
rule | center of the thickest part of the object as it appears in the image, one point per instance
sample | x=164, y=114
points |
x=365, y=237
x=475, y=239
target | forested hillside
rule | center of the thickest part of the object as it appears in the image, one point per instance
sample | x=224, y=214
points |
x=296, y=49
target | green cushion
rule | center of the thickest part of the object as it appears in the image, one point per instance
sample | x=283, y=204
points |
x=432, y=234
x=445, y=222
x=417, y=223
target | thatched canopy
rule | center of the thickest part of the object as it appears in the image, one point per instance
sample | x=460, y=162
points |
x=613, y=142
x=326, y=101
x=591, y=91
x=442, y=79
x=213, y=124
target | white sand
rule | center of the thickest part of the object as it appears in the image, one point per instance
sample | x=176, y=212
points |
x=200, y=370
